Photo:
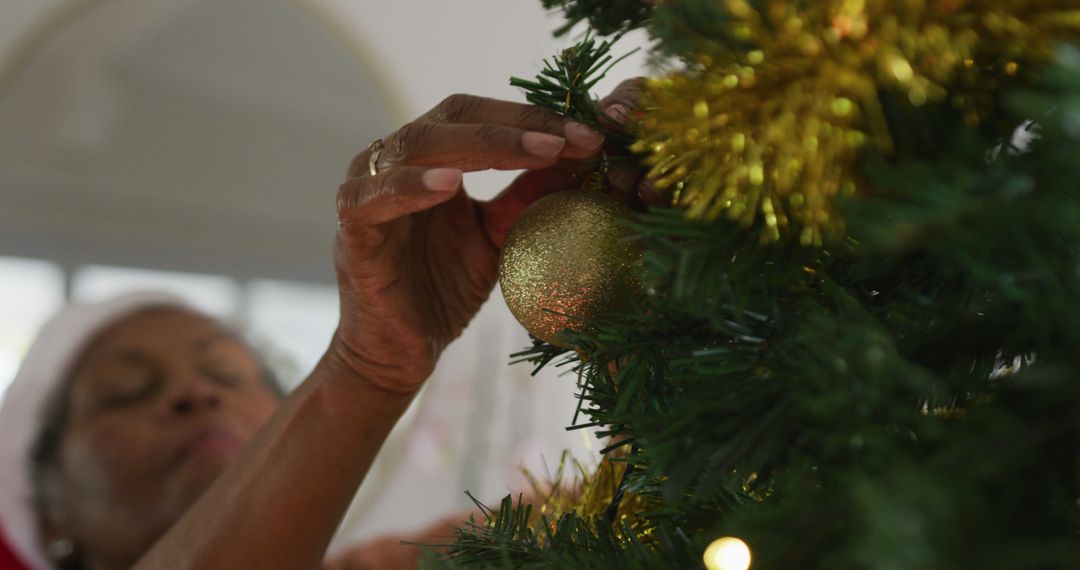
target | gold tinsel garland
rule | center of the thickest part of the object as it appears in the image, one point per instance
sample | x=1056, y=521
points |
x=774, y=132
x=590, y=496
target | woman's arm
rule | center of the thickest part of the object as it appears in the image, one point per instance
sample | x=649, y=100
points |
x=415, y=258
x=279, y=505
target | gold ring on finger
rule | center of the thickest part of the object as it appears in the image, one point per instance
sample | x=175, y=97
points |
x=375, y=151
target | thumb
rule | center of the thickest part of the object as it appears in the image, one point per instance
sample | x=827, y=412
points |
x=499, y=214
x=373, y=200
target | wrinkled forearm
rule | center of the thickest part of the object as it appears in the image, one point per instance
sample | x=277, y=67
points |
x=279, y=503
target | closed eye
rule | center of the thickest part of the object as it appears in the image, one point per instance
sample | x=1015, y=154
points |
x=131, y=394
x=223, y=377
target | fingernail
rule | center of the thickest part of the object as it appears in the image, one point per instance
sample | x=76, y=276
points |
x=648, y=193
x=441, y=179
x=618, y=113
x=583, y=137
x=542, y=144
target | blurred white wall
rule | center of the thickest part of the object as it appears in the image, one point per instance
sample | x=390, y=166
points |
x=479, y=419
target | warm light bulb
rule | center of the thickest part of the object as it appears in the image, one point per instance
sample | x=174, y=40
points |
x=728, y=553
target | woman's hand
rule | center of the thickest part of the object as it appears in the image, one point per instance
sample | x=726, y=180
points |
x=415, y=255
x=415, y=259
x=617, y=109
x=384, y=553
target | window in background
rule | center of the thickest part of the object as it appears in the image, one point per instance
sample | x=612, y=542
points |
x=32, y=291
x=214, y=294
x=295, y=320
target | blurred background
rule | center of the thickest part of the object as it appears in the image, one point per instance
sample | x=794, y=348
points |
x=197, y=145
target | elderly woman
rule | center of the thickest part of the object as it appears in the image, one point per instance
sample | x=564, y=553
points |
x=141, y=403
x=163, y=441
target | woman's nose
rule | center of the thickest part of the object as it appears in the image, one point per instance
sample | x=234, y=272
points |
x=193, y=395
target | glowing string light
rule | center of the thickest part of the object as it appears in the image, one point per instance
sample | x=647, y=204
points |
x=728, y=553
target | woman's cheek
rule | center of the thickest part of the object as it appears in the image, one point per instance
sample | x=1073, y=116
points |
x=112, y=455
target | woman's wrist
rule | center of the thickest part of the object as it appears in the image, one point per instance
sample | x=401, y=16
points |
x=342, y=361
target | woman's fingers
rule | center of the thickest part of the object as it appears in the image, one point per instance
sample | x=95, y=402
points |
x=471, y=147
x=373, y=200
x=461, y=108
x=471, y=109
x=476, y=133
x=468, y=147
x=623, y=99
x=499, y=214
x=616, y=110
x=368, y=244
x=625, y=179
x=617, y=107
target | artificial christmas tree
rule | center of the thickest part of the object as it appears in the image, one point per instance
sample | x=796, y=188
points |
x=860, y=342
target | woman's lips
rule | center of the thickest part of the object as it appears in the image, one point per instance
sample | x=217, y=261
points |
x=215, y=442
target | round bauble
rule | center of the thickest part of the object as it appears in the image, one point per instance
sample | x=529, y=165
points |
x=566, y=260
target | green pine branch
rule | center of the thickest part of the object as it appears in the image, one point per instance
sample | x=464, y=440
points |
x=605, y=17
x=566, y=82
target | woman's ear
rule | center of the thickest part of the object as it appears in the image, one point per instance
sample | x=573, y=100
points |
x=57, y=540
x=60, y=548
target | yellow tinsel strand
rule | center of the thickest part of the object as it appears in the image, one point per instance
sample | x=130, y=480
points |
x=590, y=496
x=774, y=133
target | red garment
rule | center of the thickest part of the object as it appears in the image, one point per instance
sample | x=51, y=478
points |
x=8, y=560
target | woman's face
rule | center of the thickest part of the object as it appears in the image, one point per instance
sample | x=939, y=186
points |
x=159, y=404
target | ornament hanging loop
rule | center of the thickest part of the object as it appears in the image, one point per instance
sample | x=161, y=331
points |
x=597, y=179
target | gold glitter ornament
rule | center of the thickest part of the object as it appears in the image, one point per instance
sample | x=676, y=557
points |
x=768, y=123
x=566, y=260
